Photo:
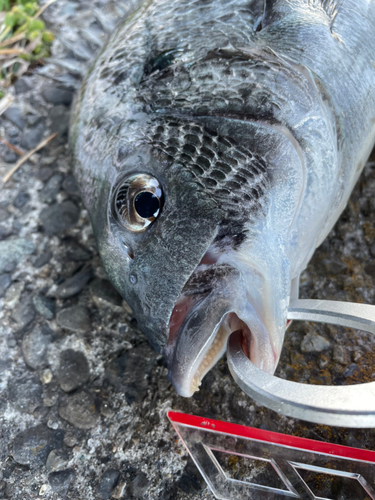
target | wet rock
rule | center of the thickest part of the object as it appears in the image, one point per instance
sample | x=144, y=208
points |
x=75, y=319
x=128, y=372
x=77, y=253
x=58, y=218
x=70, y=186
x=24, y=312
x=42, y=259
x=34, y=346
x=5, y=281
x=32, y=446
x=80, y=409
x=51, y=188
x=22, y=85
x=107, y=484
x=25, y=393
x=14, y=115
x=339, y=355
x=73, y=370
x=13, y=251
x=21, y=199
x=314, y=343
x=75, y=284
x=60, y=481
x=32, y=137
x=59, y=116
x=45, y=306
x=140, y=485
x=104, y=293
x=54, y=95
x=57, y=460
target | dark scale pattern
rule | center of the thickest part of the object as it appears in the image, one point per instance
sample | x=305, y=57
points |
x=227, y=171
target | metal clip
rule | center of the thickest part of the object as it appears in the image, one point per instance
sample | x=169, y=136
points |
x=346, y=406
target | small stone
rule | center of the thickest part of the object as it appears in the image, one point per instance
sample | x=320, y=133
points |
x=51, y=188
x=43, y=489
x=75, y=284
x=9, y=156
x=140, y=485
x=76, y=253
x=24, y=312
x=32, y=136
x=79, y=409
x=339, y=355
x=58, y=218
x=314, y=343
x=104, y=294
x=56, y=460
x=47, y=376
x=50, y=394
x=73, y=370
x=70, y=440
x=21, y=199
x=119, y=491
x=70, y=186
x=45, y=306
x=60, y=481
x=22, y=85
x=75, y=319
x=42, y=259
x=25, y=393
x=108, y=482
x=54, y=95
x=15, y=116
x=32, y=446
x=33, y=120
x=59, y=116
x=12, y=252
x=352, y=370
x=13, y=293
x=370, y=269
x=44, y=173
x=106, y=410
x=34, y=347
x=5, y=281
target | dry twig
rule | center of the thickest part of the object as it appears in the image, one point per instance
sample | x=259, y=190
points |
x=12, y=147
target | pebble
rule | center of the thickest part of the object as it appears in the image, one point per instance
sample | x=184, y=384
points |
x=70, y=439
x=104, y=293
x=32, y=446
x=44, y=173
x=139, y=485
x=191, y=481
x=5, y=232
x=70, y=186
x=54, y=95
x=75, y=319
x=59, y=116
x=73, y=370
x=12, y=252
x=21, y=199
x=60, y=481
x=75, y=284
x=80, y=410
x=58, y=218
x=34, y=346
x=51, y=188
x=46, y=377
x=24, y=312
x=50, y=394
x=45, y=306
x=11, y=342
x=14, y=115
x=32, y=136
x=77, y=253
x=353, y=369
x=107, y=483
x=56, y=460
x=129, y=372
x=33, y=120
x=339, y=355
x=25, y=392
x=9, y=156
x=5, y=281
x=42, y=259
x=314, y=343
x=22, y=85
x=13, y=293
x=106, y=410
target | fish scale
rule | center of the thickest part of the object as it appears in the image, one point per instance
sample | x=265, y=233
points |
x=254, y=121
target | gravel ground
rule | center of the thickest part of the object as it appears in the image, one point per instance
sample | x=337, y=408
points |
x=83, y=398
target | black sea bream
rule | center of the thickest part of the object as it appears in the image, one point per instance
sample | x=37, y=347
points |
x=216, y=142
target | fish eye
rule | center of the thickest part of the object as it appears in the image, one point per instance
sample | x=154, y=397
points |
x=138, y=201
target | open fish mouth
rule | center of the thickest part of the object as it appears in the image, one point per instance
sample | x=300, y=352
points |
x=212, y=305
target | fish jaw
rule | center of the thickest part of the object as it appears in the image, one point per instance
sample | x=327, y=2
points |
x=201, y=325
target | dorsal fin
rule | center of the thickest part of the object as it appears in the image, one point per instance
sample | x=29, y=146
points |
x=273, y=8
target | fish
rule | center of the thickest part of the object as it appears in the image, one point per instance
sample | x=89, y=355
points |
x=216, y=143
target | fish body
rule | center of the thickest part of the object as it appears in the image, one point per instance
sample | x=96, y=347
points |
x=216, y=143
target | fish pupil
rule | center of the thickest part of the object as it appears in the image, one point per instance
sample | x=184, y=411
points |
x=146, y=205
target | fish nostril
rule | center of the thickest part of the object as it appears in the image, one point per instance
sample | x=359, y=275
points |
x=128, y=251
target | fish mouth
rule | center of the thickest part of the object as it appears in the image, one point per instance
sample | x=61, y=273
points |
x=213, y=304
